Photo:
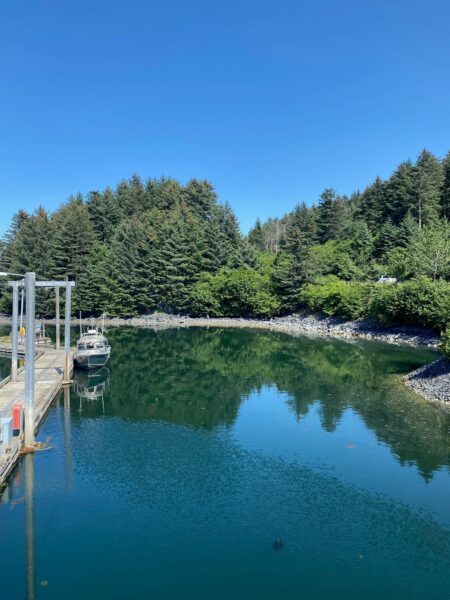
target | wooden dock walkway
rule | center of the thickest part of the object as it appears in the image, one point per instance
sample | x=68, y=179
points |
x=49, y=371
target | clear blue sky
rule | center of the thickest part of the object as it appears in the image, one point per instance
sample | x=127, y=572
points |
x=270, y=100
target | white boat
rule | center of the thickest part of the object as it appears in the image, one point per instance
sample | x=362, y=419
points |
x=92, y=351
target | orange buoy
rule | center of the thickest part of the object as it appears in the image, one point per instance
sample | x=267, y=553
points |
x=17, y=419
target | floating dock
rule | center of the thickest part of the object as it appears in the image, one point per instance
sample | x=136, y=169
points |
x=49, y=376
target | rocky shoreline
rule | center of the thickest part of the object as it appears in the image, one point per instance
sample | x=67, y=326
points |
x=431, y=382
x=299, y=323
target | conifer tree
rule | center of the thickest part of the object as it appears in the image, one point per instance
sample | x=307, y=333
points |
x=125, y=283
x=73, y=239
x=332, y=215
x=301, y=229
x=256, y=235
x=31, y=249
x=146, y=267
x=361, y=241
x=372, y=204
x=18, y=219
x=181, y=254
x=446, y=187
x=400, y=192
x=7, y=255
x=94, y=289
x=325, y=215
x=104, y=214
x=430, y=181
x=387, y=237
x=138, y=196
x=167, y=193
x=200, y=197
x=291, y=264
x=131, y=197
x=407, y=229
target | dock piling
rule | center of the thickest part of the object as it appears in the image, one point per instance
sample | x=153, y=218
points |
x=67, y=313
x=58, y=326
x=14, y=331
x=30, y=289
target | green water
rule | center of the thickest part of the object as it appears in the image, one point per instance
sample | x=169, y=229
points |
x=5, y=367
x=173, y=471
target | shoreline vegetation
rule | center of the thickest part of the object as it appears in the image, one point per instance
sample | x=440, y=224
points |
x=380, y=255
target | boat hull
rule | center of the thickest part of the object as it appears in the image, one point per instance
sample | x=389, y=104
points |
x=91, y=361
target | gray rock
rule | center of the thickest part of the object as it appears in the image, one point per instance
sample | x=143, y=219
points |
x=432, y=382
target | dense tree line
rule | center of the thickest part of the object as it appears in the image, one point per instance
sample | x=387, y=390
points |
x=140, y=247
x=159, y=245
x=330, y=254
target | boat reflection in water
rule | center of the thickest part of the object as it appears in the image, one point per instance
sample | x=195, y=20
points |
x=90, y=386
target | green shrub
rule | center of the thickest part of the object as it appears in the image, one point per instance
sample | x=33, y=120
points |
x=247, y=293
x=420, y=301
x=335, y=297
x=237, y=293
x=445, y=342
x=333, y=258
x=205, y=297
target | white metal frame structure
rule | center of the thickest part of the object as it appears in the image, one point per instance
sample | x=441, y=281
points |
x=30, y=284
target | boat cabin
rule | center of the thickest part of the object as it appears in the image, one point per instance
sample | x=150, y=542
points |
x=91, y=339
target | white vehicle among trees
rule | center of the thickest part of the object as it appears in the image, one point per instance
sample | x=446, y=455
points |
x=387, y=279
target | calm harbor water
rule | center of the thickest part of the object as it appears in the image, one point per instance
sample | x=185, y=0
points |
x=173, y=471
x=5, y=367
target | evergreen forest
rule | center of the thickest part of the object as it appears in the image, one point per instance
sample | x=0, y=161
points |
x=157, y=245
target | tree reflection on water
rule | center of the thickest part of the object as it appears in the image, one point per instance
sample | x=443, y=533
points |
x=199, y=377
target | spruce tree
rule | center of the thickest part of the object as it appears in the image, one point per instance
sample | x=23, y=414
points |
x=31, y=248
x=200, y=197
x=332, y=215
x=428, y=190
x=291, y=264
x=181, y=255
x=132, y=197
x=94, y=289
x=387, y=238
x=446, y=187
x=104, y=214
x=167, y=194
x=325, y=215
x=372, y=204
x=407, y=229
x=73, y=239
x=7, y=255
x=256, y=235
x=400, y=192
x=146, y=271
x=125, y=283
x=32, y=251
